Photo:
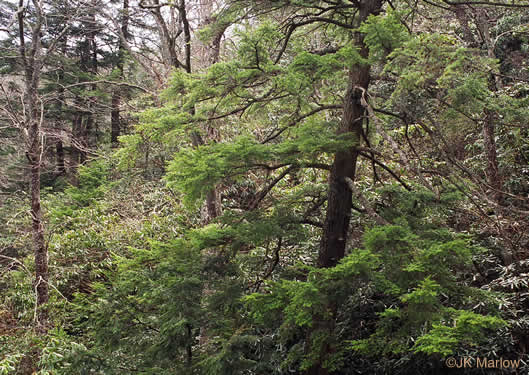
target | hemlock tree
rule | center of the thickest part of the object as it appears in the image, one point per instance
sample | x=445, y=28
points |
x=361, y=230
x=297, y=101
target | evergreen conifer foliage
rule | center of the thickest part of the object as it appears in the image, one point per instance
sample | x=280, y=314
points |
x=404, y=291
x=300, y=96
x=358, y=230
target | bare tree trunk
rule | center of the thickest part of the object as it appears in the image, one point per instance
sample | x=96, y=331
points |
x=493, y=175
x=60, y=166
x=168, y=39
x=92, y=67
x=115, y=121
x=84, y=120
x=40, y=250
x=31, y=61
x=481, y=19
x=115, y=116
x=59, y=158
x=85, y=136
x=75, y=148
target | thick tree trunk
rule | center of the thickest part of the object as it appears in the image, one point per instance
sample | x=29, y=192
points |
x=339, y=201
x=339, y=198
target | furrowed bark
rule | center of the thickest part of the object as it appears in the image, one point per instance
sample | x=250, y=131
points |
x=338, y=215
x=339, y=196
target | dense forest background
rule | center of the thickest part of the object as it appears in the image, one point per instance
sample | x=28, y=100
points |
x=263, y=186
